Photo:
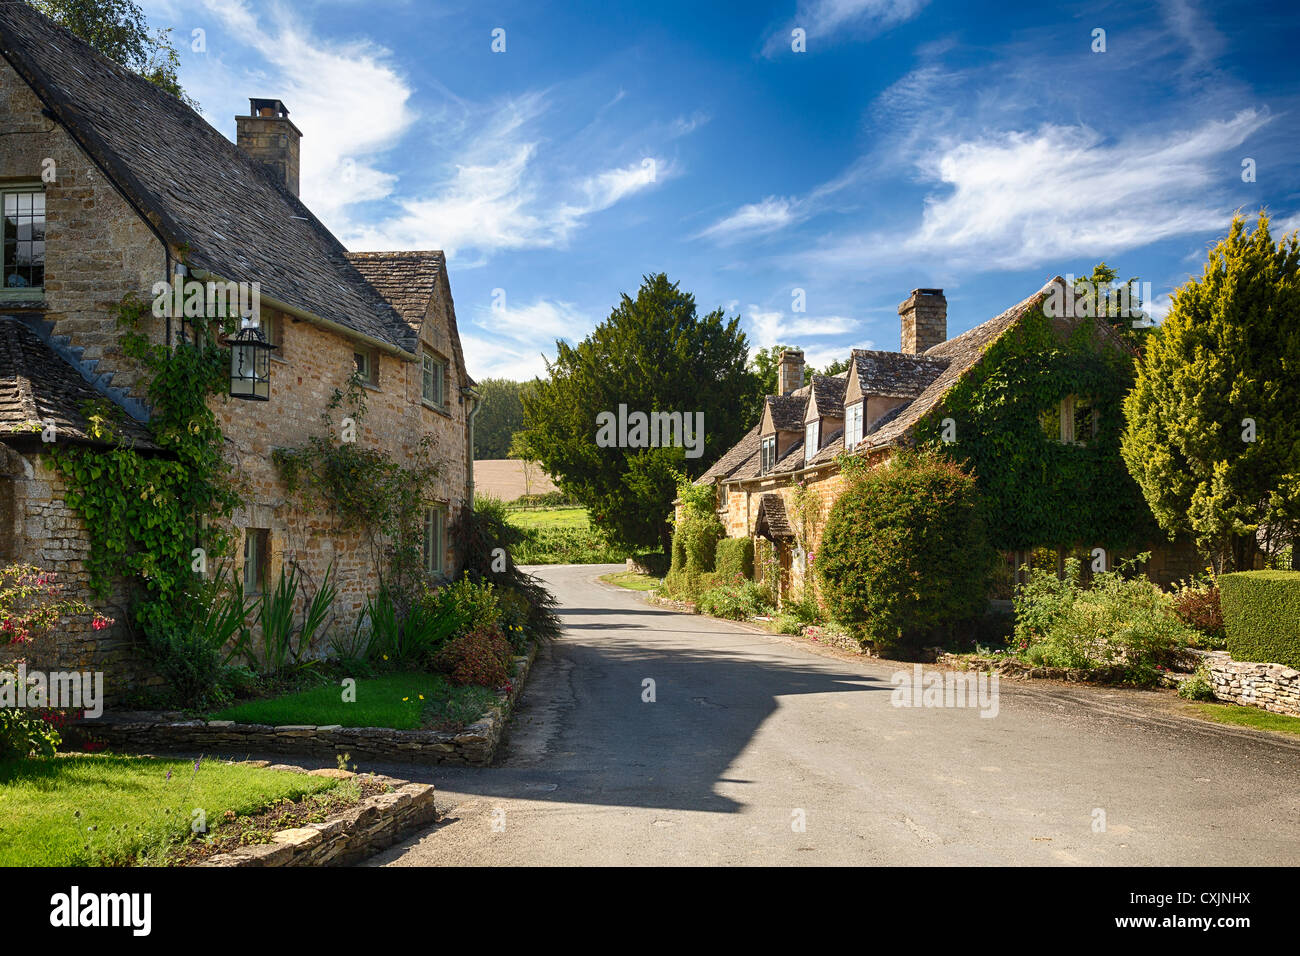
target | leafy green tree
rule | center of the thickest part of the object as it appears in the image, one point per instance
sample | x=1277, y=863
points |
x=653, y=354
x=118, y=29
x=500, y=415
x=765, y=366
x=1105, y=302
x=836, y=367
x=1213, y=434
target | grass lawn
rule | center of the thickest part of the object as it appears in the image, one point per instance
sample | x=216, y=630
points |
x=393, y=700
x=1245, y=717
x=632, y=580
x=97, y=809
x=550, y=518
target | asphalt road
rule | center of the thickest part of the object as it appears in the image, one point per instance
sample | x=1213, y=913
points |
x=760, y=749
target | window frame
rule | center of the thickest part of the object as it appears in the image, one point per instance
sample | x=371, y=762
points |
x=23, y=293
x=370, y=375
x=851, y=442
x=766, y=454
x=433, y=539
x=812, y=439
x=257, y=553
x=432, y=361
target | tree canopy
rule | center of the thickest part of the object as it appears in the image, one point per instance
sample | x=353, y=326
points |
x=653, y=354
x=500, y=415
x=118, y=29
x=1212, y=436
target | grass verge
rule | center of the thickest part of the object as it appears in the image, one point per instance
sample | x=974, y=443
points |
x=632, y=580
x=107, y=810
x=1245, y=717
x=407, y=701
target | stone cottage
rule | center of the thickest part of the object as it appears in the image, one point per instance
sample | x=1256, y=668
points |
x=108, y=184
x=872, y=410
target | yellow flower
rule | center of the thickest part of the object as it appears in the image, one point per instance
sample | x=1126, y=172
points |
x=421, y=697
x=385, y=657
x=405, y=699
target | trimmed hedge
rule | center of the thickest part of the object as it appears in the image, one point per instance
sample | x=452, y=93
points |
x=735, y=556
x=905, y=557
x=1261, y=613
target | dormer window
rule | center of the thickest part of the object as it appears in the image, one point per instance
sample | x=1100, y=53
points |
x=852, y=425
x=767, y=455
x=811, y=439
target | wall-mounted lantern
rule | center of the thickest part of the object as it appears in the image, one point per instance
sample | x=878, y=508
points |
x=250, y=365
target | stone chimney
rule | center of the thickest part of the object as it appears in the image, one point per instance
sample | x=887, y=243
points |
x=269, y=136
x=789, y=375
x=925, y=320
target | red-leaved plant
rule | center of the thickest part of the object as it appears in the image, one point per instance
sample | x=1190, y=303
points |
x=32, y=603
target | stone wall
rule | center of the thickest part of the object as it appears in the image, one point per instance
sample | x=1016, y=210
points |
x=1273, y=687
x=343, y=838
x=475, y=745
x=43, y=530
x=97, y=248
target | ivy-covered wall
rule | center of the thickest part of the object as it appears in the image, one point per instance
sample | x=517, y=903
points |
x=1040, y=491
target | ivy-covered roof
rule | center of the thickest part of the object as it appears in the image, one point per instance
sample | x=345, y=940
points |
x=924, y=378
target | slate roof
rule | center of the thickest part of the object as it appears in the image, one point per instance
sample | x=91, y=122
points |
x=935, y=371
x=829, y=392
x=772, y=521
x=37, y=386
x=896, y=374
x=196, y=188
x=738, y=455
x=407, y=281
x=788, y=410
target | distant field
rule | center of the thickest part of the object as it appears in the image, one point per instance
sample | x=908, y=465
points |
x=551, y=518
x=504, y=478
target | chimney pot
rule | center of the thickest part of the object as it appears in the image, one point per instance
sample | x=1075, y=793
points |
x=924, y=320
x=270, y=137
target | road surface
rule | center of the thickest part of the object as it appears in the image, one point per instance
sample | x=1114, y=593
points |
x=762, y=749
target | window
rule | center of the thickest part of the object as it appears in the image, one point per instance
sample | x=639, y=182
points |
x=256, y=552
x=1072, y=422
x=433, y=379
x=435, y=539
x=24, y=242
x=852, y=425
x=767, y=455
x=811, y=437
x=273, y=329
x=367, y=366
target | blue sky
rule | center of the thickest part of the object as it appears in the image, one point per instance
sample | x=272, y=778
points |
x=913, y=144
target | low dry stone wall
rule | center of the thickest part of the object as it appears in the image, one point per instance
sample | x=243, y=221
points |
x=1274, y=687
x=343, y=838
x=1017, y=669
x=151, y=732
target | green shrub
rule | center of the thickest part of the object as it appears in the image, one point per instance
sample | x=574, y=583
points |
x=904, y=556
x=736, y=600
x=1198, y=686
x=24, y=734
x=1117, y=622
x=735, y=556
x=1261, y=614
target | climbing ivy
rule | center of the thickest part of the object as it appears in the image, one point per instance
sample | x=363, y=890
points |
x=1038, y=490
x=364, y=488
x=145, y=511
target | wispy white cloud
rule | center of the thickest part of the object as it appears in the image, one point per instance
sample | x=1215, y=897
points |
x=768, y=327
x=1024, y=198
x=510, y=342
x=835, y=19
x=755, y=219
